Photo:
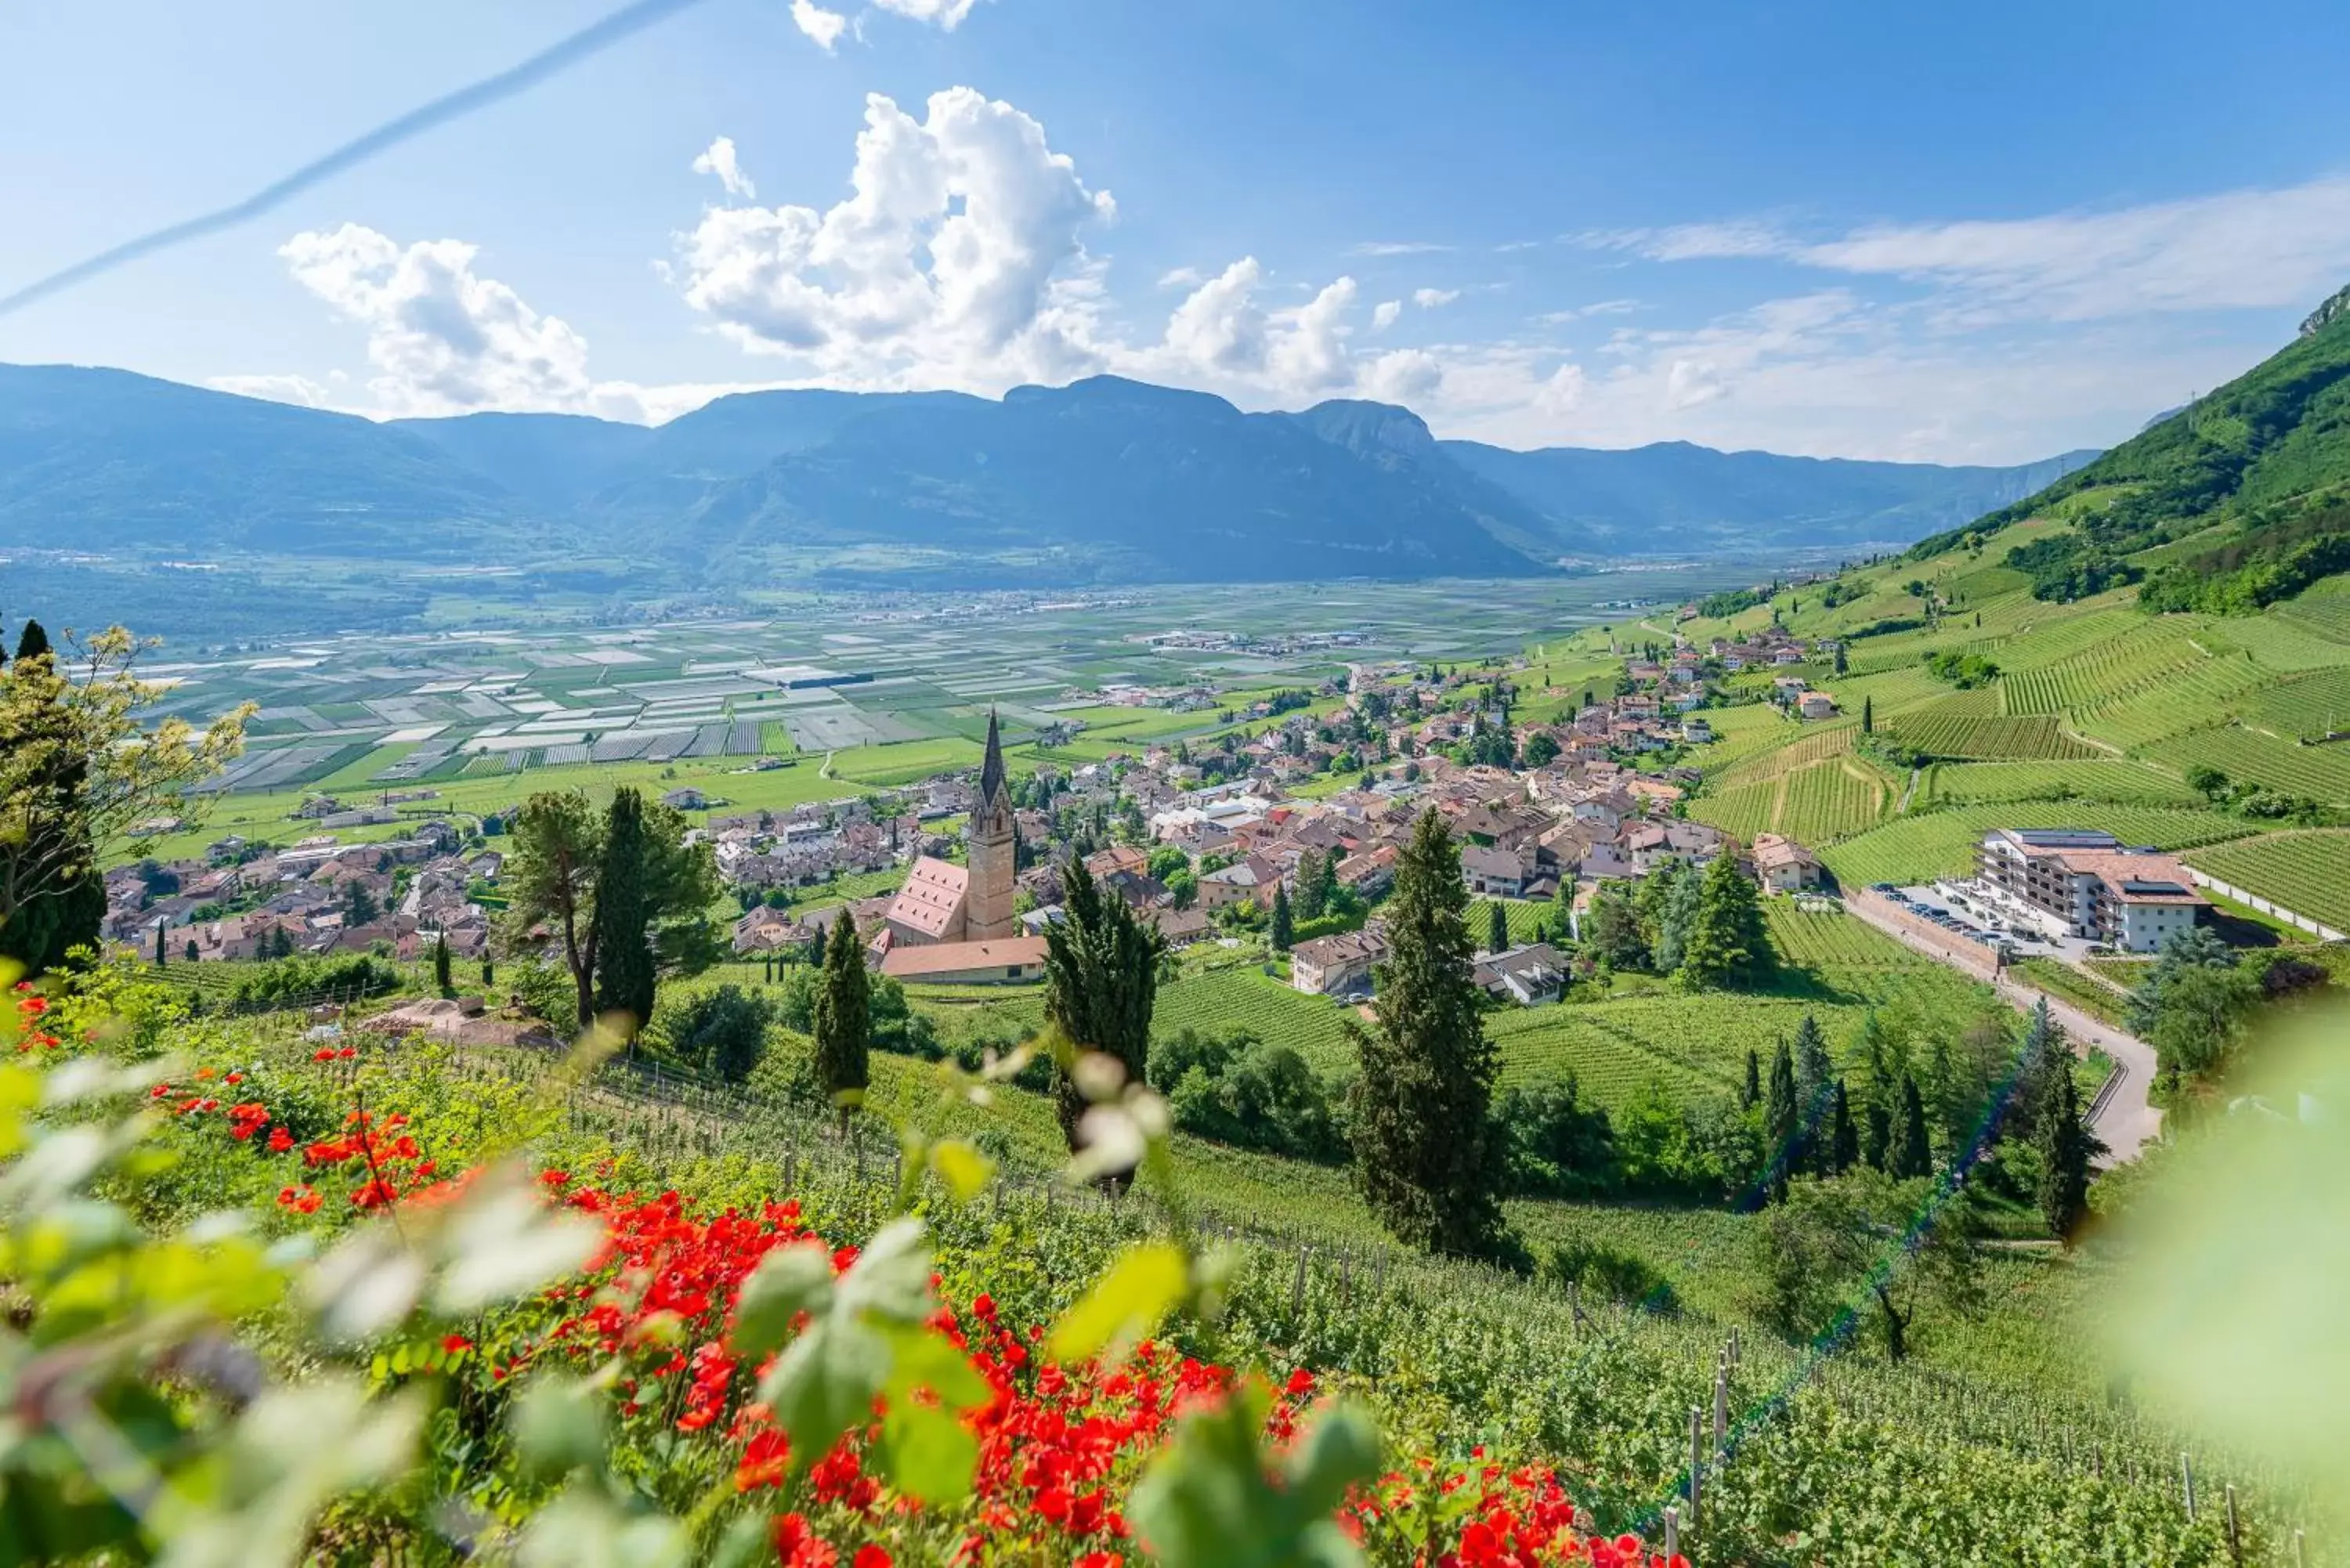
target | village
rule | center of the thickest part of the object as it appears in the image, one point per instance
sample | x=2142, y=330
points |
x=1302, y=797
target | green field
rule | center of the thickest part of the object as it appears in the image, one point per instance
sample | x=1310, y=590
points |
x=2111, y=780
x=1970, y=724
x=2246, y=756
x=1839, y=968
x=2308, y=873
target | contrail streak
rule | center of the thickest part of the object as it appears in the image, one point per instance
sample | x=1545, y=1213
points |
x=547, y=62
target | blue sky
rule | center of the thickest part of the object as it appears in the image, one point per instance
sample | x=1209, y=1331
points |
x=1836, y=229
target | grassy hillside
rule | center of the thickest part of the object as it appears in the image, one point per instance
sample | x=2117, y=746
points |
x=2236, y=502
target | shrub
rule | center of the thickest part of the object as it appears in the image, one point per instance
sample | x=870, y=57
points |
x=1619, y=1276
x=721, y=1032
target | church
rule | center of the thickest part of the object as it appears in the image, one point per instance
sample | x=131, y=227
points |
x=955, y=925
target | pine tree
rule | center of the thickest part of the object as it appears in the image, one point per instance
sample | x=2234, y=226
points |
x=1750, y=1092
x=844, y=1020
x=1425, y=1153
x=1781, y=1124
x=2067, y=1148
x=1497, y=927
x=1101, y=982
x=1844, y=1138
x=1727, y=943
x=32, y=642
x=1912, y=1152
x=624, y=954
x=1281, y=928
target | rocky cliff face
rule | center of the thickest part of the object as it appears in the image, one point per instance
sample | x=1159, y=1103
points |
x=2325, y=313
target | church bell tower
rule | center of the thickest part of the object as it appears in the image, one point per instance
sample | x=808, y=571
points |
x=988, y=913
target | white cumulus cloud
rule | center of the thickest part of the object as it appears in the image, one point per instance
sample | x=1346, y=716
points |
x=1384, y=314
x=944, y=14
x=719, y=158
x=442, y=338
x=1432, y=298
x=958, y=253
x=824, y=26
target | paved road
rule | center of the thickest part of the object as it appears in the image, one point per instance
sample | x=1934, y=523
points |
x=2126, y=1121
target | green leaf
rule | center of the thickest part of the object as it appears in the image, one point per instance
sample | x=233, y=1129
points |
x=1210, y=1500
x=1125, y=1305
x=788, y=1280
x=823, y=1383
x=558, y=1423
x=962, y=1167
x=891, y=1277
x=931, y=1455
x=923, y=1358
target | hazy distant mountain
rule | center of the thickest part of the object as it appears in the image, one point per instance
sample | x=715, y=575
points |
x=1673, y=496
x=1102, y=480
x=1167, y=484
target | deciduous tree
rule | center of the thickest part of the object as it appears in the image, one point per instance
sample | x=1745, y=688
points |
x=80, y=771
x=1727, y=944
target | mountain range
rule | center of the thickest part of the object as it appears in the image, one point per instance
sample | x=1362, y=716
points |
x=1103, y=480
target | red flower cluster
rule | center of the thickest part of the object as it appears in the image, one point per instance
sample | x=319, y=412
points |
x=30, y=1006
x=1057, y=1445
x=328, y=1053
x=1521, y=1518
x=396, y=1167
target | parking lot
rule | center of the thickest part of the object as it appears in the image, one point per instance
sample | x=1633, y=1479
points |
x=1947, y=905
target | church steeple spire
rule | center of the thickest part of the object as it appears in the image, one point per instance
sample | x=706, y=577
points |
x=991, y=780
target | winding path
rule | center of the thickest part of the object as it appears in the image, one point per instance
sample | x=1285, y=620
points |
x=2123, y=1116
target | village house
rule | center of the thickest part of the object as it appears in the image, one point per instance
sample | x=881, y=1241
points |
x=1783, y=866
x=1337, y=965
x=1529, y=975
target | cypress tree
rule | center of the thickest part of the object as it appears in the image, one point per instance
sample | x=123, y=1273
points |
x=816, y=947
x=1425, y=1151
x=1497, y=927
x=624, y=954
x=1101, y=982
x=1283, y=928
x=1781, y=1122
x=489, y=972
x=160, y=959
x=1868, y=715
x=441, y=976
x=1844, y=1138
x=2046, y=1057
x=1882, y=1094
x=844, y=1019
x=1727, y=943
x=1912, y=1152
x=1814, y=1071
x=32, y=642
x=2066, y=1148
x=1750, y=1092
